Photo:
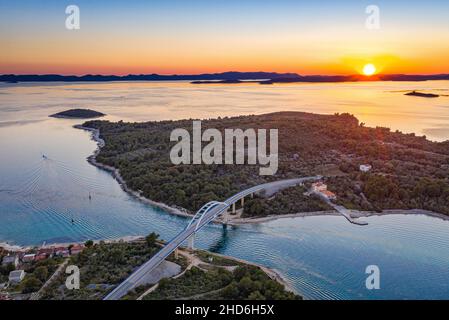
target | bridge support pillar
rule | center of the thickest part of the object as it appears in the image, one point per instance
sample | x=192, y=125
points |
x=233, y=208
x=242, y=201
x=176, y=254
x=252, y=195
x=191, y=244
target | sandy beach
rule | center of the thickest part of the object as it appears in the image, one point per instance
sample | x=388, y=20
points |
x=12, y=247
x=17, y=248
x=360, y=214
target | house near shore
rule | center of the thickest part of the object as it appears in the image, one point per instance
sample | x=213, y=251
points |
x=46, y=251
x=77, y=248
x=4, y=297
x=329, y=195
x=365, y=167
x=28, y=257
x=40, y=257
x=11, y=259
x=16, y=276
x=320, y=188
x=62, y=252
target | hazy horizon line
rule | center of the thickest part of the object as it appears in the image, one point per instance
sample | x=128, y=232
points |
x=219, y=73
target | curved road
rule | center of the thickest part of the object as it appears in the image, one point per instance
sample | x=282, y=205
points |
x=213, y=211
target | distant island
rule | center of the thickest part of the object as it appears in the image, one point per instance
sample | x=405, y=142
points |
x=220, y=81
x=78, y=114
x=423, y=95
x=320, y=78
x=232, y=75
x=224, y=77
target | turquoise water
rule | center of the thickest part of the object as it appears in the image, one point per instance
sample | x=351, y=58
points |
x=322, y=257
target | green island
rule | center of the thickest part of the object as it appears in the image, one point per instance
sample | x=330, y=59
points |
x=78, y=114
x=404, y=171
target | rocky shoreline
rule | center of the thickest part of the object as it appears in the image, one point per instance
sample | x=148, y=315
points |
x=272, y=273
x=95, y=135
x=116, y=174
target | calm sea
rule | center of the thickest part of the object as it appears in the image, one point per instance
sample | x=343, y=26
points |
x=66, y=199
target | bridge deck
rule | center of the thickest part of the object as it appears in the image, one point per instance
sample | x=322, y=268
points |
x=209, y=214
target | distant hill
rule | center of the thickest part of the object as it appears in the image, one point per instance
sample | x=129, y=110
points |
x=225, y=77
x=78, y=114
x=229, y=76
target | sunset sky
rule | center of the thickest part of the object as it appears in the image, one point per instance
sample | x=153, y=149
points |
x=185, y=37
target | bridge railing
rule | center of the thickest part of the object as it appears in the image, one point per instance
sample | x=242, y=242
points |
x=203, y=210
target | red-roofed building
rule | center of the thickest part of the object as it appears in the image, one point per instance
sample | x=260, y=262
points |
x=28, y=257
x=329, y=195
x=40, y=257
x=77, y=248
x=47, y=251
x=320, y=188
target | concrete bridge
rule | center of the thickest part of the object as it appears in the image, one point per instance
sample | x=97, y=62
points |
x=204, y=215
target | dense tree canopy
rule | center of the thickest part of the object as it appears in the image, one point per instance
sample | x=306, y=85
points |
x=408, y=171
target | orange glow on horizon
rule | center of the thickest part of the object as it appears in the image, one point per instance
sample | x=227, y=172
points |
x=144, y=63
x=201, y=39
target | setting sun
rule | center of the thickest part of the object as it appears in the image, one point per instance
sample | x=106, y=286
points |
x=369, y=69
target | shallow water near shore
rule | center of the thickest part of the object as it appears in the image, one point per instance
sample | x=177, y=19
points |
x=47, y=200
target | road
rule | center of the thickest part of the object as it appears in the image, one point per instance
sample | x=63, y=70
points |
x=213, y=211
x=342, y=210
x=347, y=214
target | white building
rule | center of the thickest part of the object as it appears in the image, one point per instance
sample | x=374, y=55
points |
x=28, y=257
x=319, y=186
x=11, y=259
x=16, y=276
x=365, y=167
